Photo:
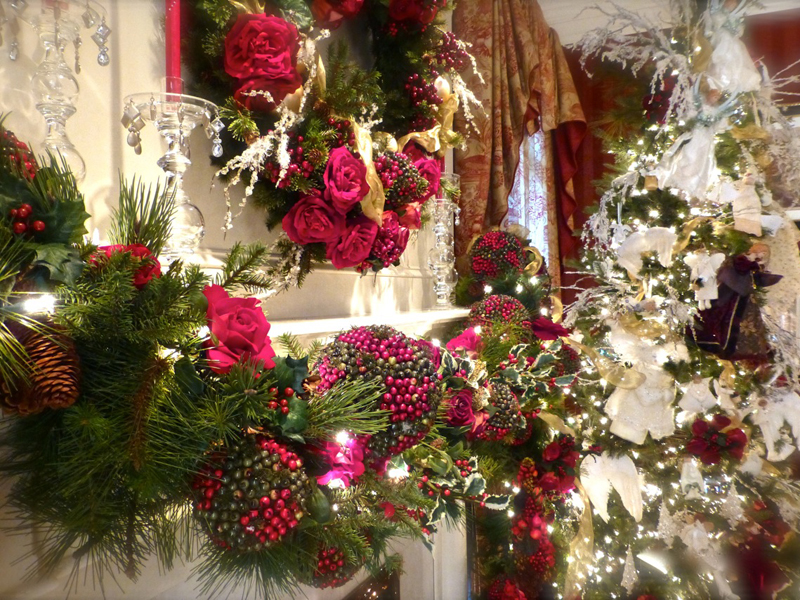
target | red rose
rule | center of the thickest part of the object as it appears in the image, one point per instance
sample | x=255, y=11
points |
x=277, y=89
x=430, y=170
x=150, y=266
x=551, y=452
x=421, y=12
x=312, y=220
x=354, y=246
x=460, y=413
x=330, y=13
x=239, y=331
x=264, y=48
x=467, y=344
x=345, y=179
x=411, y=217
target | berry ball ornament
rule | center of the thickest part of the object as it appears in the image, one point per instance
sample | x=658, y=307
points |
x=251, y=494
x=498, y=309
x=407, y=369
x=496, y=254
x=333, y=568
x=507, y=423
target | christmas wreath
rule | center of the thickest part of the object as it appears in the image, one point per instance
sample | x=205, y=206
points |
x=343, y=159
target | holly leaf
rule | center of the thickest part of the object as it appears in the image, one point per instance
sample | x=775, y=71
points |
x=545, y=359
x=555, y=346
x=497, y=502
x=298, y=12
x=440, y=464
x=564, y=380
x=187, y=378
x=291, y=372
x=449, y=365
x=474, y=485
x=511, y=375
x=296, y=420
x=516, y=350
x=63, y=263
x=319, y=507
x=438, y=511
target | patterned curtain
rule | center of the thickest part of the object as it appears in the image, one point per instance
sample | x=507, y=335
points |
x=528, y=89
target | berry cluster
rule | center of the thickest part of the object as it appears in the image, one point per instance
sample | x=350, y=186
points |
x=505, y=588
x=332, y=569
x=400, y=179
x=421, y=91
x=450, y=55
x=407, y=369
x=508, y=422
x=24, y=222
x=497, y=309
x=495, y=254
x=252, y=494
x=281, y=404
x=438, y=488
x=17, y=154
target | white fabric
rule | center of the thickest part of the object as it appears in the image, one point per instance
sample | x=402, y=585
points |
x=656, y=239
x=745, y=203
x=704, y=276
x=599, y=474
x=703, y=547
x=690, y=163
x=731, y=69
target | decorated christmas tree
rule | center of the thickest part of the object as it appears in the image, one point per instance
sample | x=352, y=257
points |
x=688, y=411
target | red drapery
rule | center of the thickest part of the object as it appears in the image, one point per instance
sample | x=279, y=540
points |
x=528, y=86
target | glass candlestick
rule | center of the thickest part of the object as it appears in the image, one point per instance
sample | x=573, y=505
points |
x=175, y=116
x=442, y=258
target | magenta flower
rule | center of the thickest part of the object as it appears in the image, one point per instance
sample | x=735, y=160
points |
x=346, y=462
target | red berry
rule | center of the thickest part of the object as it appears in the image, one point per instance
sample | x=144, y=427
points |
x=13, y=213
x=285, y=410
x=288, y=392
x=24, y=211
x=20, y=228
x=39, y=226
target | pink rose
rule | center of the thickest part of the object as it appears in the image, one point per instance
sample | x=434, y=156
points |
x=150, y=266
x=354, y=246
x=412, y=219
x=263, y=47
x=466, y=344
x=430, y=170
x=239, y=331
x=312, y=220
x=330, y=13
x=460, y=413
x=345, y=179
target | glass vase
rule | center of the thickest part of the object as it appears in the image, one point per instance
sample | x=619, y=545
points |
x=442, y=257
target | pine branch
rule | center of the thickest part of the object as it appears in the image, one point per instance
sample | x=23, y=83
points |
x=242, y=268
x=144, y=216
x=347, y=406
x=292, y=345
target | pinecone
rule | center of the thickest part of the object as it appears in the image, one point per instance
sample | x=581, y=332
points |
x=56, y=375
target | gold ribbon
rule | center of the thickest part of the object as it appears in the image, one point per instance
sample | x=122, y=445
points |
x=322, y=77
x=581, y=548
x=750, y=132
x=728, y=375
x=613, y=373
x=439, y=138
x=702, y=57
x=686, y=233
x=532, y=268
x=249, y=6
x=556, y=423
x=643, y=328
x=429, y=140
x=374, y=201
x=557, y=308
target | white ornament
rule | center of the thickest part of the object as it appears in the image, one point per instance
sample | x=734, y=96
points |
x=732, y=508
x=692, y=482
x=700, y=544
x=753, y=464
x=704, y=276
x=599, y=474
x=770, y=416
x=732, y=69
x=745, y=203
x=668, y=526
x=698, y=397
x=656, y=239
x=646, y=409
x=629, y=575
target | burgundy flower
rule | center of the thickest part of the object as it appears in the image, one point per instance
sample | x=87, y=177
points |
x=264, y=48
x=345, y=179
x=239, y=331
x=391, y=240
x=460, y=413
x=710, y=440
x=552, y=451
x=430, y=170
x=418, y=12
x=545, y=329
x=331, y=13
x=354, y=246
x=313, y=220
x=150, y=266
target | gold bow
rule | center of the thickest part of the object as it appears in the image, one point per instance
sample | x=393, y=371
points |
x=581, y=548
x=249, y=6
x=686, y=233
x=374, y=201
x=556, y=423
x=439, y=138
x=532, y=268
x=613, y=373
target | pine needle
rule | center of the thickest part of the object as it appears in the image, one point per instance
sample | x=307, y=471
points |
x=144, y=216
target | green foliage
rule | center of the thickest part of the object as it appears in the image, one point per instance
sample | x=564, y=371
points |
x=240, y=120
x=351, y=91
x=243, y=268
x=143, y=216
x=347, y=407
